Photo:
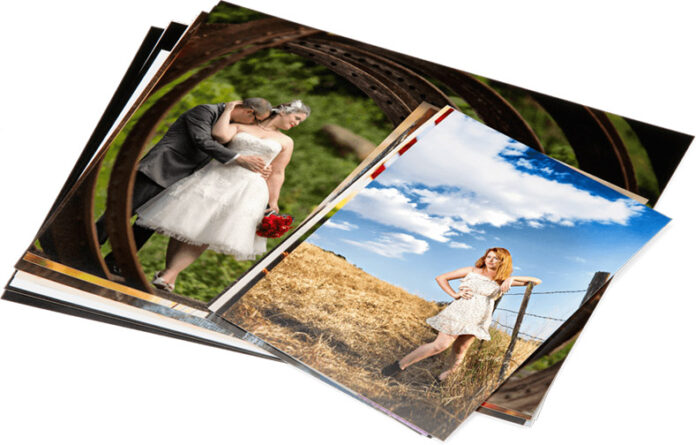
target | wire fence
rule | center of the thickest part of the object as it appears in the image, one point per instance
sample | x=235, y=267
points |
x=598, y=279
x=531, y=315
x=554, y=292
x=527, y=314
x=533, y=337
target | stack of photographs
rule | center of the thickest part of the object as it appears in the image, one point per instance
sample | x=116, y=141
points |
x=451, y=234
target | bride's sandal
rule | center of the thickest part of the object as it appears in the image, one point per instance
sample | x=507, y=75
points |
x=159, y=283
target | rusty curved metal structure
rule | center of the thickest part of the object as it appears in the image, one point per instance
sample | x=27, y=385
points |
x=396, y=82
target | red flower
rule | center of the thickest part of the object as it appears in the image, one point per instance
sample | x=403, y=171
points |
x=274, y=226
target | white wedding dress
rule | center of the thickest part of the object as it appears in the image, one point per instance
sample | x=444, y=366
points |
x=471, y=316
x=220, y=205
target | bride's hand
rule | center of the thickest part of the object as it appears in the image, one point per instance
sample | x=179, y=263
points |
x=255, y=164
x=274, y=208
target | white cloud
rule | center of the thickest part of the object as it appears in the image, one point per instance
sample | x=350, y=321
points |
x=524, y=163
x=340, y=225
x=461, y=181
x=393, y=245
x=391, y=207
x=458, y=245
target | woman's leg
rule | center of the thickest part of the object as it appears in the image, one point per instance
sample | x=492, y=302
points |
x=180, y=255
x=459, y=349
x=442, y=342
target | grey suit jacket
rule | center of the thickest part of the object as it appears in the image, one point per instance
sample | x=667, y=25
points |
x=187, y=146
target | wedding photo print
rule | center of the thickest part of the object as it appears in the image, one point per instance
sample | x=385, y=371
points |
x=410, y=294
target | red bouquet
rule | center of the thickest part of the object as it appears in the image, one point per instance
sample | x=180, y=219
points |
x=274, y=226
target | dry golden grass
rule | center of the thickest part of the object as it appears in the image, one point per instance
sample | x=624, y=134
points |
x=347, y=325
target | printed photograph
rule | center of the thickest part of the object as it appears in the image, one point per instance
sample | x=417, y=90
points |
x=434, y=283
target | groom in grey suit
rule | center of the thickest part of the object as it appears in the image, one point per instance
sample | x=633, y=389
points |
x=187, y=146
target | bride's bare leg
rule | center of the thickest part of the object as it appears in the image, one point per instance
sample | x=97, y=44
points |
x=442, y=342
x=180, y=255
x=459, y=350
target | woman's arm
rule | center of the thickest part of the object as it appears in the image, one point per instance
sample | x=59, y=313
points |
x=224, y=130
x=523, y=281
x=443, y=280
x=518, y=281
x=275, y=180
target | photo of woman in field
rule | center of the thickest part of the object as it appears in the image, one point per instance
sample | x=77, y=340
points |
x=469, y=316
x=358, y=293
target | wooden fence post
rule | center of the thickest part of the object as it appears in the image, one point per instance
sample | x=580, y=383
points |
x=598, y=280
x=516, y=330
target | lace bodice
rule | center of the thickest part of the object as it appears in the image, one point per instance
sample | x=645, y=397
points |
x=248, y=144
x=480, y=285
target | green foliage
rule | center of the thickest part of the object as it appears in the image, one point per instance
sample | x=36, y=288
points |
x=551, y=359
x=227, y=13
x=464, y=107
x=647, y=181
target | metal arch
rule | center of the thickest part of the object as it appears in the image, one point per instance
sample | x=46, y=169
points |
x=392, y=105
x=664, y=147
x=213, y=40
x=406, y=83
x=598, y=148
x=118, y=209
x=619, y=149
x=490, y=106
x=493, y=109
x=71, y=237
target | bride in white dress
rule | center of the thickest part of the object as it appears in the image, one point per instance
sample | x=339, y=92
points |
x=469, y=315
x=220, y=206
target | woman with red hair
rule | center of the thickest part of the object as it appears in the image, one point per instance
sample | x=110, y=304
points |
x=470, y=314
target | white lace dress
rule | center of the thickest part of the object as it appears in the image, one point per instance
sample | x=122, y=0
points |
x=469, y=316
x=220, y=205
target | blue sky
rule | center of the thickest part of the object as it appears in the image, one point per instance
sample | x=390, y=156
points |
x=464, y=187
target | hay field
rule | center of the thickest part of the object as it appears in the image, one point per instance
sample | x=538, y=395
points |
x=347, y=324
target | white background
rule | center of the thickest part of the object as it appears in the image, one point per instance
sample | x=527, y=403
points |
x=68, y=380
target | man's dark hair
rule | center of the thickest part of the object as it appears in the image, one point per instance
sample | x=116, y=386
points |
x=260, y=105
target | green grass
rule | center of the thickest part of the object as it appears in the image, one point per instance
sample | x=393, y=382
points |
x=551, y=359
